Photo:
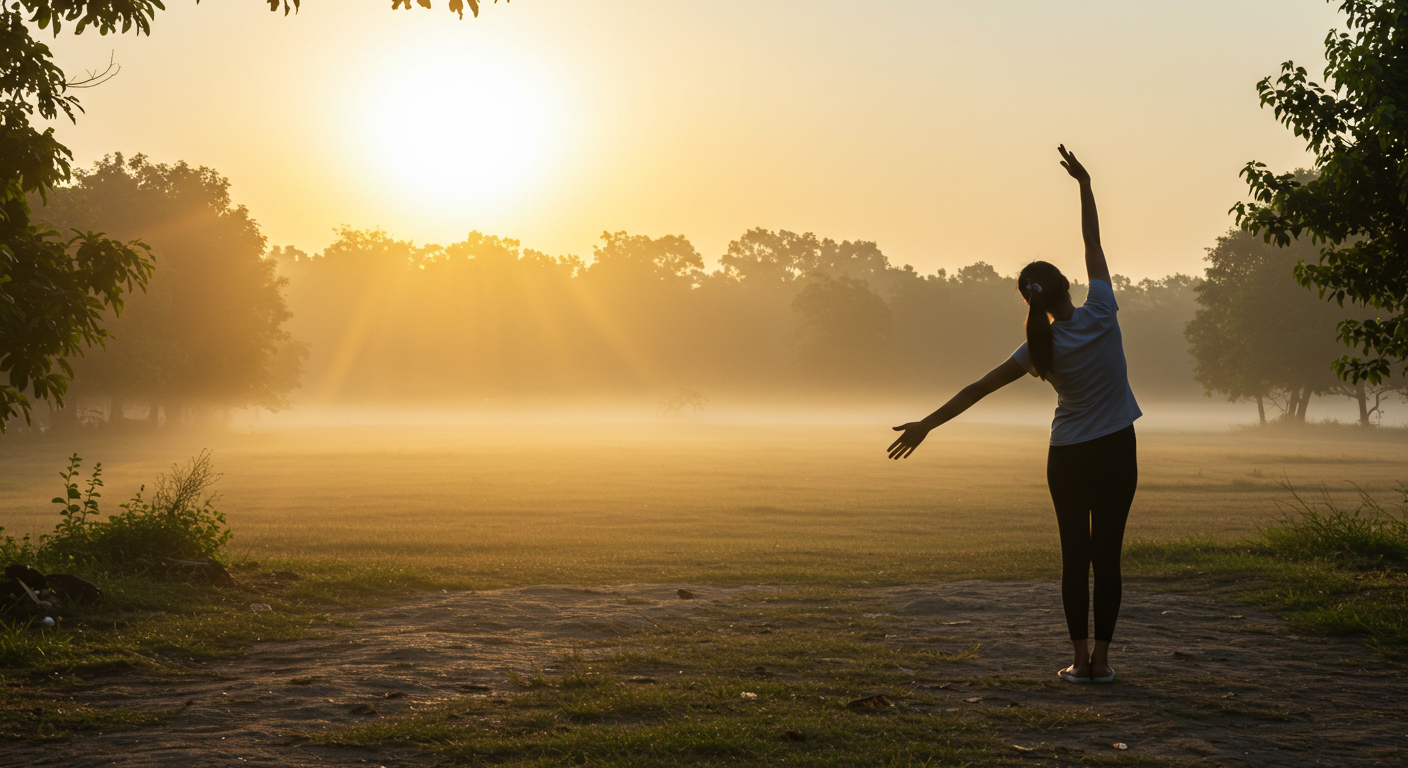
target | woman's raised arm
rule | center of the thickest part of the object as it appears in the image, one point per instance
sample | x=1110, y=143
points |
x=1095, y=266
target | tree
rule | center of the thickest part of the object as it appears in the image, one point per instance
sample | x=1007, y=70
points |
x=210, y=329
x=771, y=258
x=53, y=291
x=1257, y=335
x=670, y=259
x=1356, y=206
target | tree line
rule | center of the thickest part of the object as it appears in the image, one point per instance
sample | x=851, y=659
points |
x=784, y=314
x=228, y=322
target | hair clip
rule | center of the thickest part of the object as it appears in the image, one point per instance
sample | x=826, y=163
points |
x=1033, y=287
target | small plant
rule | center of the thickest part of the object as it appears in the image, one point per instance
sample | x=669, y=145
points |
x=76, y=507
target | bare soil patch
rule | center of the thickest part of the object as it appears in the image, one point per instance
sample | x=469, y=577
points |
x=1200, y=679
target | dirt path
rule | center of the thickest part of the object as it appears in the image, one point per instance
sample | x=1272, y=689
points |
x=1210, y=681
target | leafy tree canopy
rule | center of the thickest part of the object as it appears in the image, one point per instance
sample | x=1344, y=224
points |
x=1355, y=207
x=53, y=290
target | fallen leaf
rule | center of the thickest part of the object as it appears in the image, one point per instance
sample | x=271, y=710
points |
x=794, y=735
x=748, y=696
x=974, y=700
x=955, y=623
x=1120, y=745
x=1021, y=748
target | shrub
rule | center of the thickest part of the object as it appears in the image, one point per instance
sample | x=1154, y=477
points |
x=178, y=521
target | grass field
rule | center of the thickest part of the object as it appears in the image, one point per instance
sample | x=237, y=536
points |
x=507, y=504
x=383, y=514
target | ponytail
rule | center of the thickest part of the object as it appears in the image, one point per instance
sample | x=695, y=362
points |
x=1039, y=333
x=1042, y=285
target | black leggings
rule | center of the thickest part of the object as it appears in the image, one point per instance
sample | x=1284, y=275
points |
x=1092, y=485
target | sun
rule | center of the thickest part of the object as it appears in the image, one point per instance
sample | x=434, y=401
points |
x=450, y=130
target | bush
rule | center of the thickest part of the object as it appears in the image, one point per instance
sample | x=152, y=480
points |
x=179, y=520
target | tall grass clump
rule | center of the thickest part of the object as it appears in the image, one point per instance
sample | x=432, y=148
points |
x=1367, y=537
x=1340, y=571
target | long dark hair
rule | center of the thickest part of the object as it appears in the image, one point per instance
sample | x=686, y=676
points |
x=1043, y=286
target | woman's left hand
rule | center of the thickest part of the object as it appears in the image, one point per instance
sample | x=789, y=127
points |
x=904, y=445
x=1073, y=166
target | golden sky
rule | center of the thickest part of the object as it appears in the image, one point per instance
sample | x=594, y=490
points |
x=928, y=126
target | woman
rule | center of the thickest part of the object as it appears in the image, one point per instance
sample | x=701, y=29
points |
x=1091, y=468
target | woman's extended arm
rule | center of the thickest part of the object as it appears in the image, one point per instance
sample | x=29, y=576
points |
x=916, y=431
x=1095, y=266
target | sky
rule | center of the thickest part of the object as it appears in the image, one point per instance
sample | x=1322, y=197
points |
x=927, y=126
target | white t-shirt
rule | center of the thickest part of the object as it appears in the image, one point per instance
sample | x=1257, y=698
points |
x=1088, y=371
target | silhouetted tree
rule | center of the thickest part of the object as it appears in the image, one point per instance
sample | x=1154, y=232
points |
x=627, y=258
x=210, y=329
x=846, y=333
x=763, y=258
x=1257, y=334
x=641, y=296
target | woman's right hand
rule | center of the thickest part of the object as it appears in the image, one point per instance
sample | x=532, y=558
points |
x=904, y=445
